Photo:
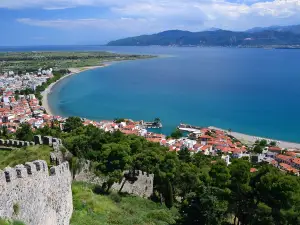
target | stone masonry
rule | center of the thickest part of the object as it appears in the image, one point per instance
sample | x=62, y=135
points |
x=28, y=193
x=142, y=187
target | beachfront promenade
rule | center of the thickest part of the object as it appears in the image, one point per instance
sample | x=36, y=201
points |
x=249, y=139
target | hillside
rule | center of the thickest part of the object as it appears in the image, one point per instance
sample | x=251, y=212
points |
x=293, y=29
x=91, y=208
x=212, y=38
x=21, y=156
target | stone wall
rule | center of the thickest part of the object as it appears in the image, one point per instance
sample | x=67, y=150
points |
x=15, y=143
x=143, y=187
x=38, y=140
x=28, y=193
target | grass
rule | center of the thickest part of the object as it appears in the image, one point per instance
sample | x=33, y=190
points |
x=91, y=208
x=21, y=156
x=7, y=222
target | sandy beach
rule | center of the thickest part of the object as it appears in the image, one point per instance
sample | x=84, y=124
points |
x=249, y=139
x=48, y=90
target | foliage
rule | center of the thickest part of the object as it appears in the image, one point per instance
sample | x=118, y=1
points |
x=263, y=143
x=91, y=208
x=16, y=209
x=8, y=222
x=176, y=134
x=72, y=123
x=204, y=192
x=119, y=120
x=31, y=61
x=115, y=197
x=258, y=149
x=25, y=132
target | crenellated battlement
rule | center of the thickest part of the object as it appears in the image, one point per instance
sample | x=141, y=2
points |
x=31, y=169
x=60, y=169
x=38, y=140
x=43, y=195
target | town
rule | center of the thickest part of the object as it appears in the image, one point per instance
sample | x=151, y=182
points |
x=16, y=109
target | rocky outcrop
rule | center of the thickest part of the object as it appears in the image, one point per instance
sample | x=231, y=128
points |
x=31, y=194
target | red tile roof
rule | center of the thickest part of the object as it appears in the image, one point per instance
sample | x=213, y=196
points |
x=296, y=161
x=285, y=158
x=253, y=170
x=288, y=168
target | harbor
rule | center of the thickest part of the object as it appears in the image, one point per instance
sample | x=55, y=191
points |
x=156, y=124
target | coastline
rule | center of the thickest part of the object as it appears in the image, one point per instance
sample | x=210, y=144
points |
x=246, y=138
x=74, y=71
x=250, y=139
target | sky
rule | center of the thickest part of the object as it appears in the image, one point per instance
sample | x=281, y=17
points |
x=72, y=22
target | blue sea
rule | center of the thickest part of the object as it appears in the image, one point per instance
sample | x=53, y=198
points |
x=253, y=91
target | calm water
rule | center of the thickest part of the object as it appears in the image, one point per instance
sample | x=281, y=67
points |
x=255, y=91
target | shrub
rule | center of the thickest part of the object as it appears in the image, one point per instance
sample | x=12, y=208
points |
x=16, y=222
x=115, y=197
x=16, y=209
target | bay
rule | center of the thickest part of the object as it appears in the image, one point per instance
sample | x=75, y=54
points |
x=253, y=91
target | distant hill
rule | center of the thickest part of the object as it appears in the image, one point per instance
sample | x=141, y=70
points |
x=293, y=29
x=215, y=37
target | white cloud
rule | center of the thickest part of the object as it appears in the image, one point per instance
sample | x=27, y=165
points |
x=145, y=16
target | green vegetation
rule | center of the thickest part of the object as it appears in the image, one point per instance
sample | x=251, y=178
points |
x=8, y=222
x=16, y=208
x=23, y=155
x=31, y=61
x=25, y=132
x=176, y=134
x=119, y=120
x=202, y=188
x=91, y=208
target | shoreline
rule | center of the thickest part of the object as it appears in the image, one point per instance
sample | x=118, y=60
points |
x=246, y=138
x=48, y=90
x=250, y=139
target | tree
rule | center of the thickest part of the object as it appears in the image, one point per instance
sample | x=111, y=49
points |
x=278, y=191
x=184, y=155
x=263, y=143
x=220, y=174
x=273, y=143
x=4, y=132
x=119, y=120
x=258, y=149
x=116, y=158
x=24, y=132
x=187, y=179
x=169, y=197
x=176, y=134
x=240, y=189
x=72, y=123
x=204, y=208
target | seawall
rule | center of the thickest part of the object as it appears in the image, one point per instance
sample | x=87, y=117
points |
x=36, y=195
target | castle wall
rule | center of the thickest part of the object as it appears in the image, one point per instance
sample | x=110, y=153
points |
x=30, y=194
x=142, y=187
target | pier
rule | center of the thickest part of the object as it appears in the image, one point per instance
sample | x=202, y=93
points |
x=189, y=128
x=156, y=124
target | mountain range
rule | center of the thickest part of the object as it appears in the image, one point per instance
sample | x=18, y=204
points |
x=259, y=36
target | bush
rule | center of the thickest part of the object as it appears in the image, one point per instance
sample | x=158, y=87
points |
x=16, y=209
x=16, y=222
x=115, y=197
